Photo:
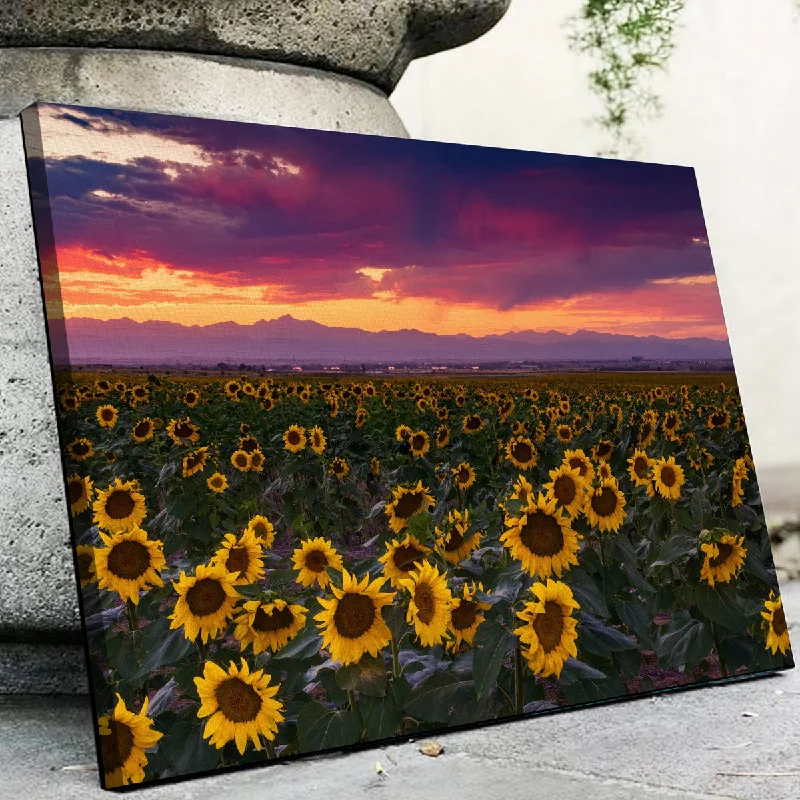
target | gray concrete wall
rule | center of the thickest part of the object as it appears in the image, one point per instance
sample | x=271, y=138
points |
x=50, y=51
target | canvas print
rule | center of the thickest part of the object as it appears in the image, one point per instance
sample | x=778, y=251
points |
x=368, y=438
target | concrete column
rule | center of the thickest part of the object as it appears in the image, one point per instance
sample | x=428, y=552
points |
x=327, y=64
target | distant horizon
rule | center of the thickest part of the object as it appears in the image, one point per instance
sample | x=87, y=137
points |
x=199, y=222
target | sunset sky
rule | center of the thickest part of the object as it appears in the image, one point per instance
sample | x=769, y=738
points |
x=198, y=221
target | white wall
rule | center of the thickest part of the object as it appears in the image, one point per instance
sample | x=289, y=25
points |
x=732, y=110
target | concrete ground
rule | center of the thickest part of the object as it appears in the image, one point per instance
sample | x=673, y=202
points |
x=738, y=740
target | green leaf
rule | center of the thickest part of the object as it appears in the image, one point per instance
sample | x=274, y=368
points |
x=720, y=605
x=320, y=728
x=380, y=716
x=439, y=697
x=575, y=670
x=600, y=639
x=367, y=677
x=160, y=646
x=305, y=645
x=493, y=643
x=635, y=617
x=587, y=592
x=675, y=548
x=686, y=641
x=187, y=751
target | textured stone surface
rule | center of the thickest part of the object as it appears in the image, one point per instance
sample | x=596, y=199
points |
x=42, y=668
x=370, y=39
x=734, y=742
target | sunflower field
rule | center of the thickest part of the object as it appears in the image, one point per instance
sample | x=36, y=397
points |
x=280, y=565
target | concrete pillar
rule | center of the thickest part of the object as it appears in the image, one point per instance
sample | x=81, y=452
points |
x=327, y=64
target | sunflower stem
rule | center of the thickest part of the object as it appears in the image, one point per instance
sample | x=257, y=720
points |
x=519, y=699
x=270, y=749
x=395, y=658
x=715, y=636
x=202, y=649
x=133, y=617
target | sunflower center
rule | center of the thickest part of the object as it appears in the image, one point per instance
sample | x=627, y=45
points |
x=603, y=450
x=640, y=467
x=85, y=566
x=248, y=445
x=129, y=560
x=80, y=449
x=190, y=397
x=718, y=419
x=464, y=615
x=241, y=460
x=604, y=504
x=522, y=451
x=354, y=615
x=541, y=534
x=646, y=430
x=194, y=460
x=463, y=475
x=205, y=597
x=116, y=746
x=275, y=620
x=107, y=414
x=142, y=429
x=408, y=505
x=473, y=423
x=671, y=422
x=216, y=482
x=425, y=603
x=564, y=489
x=338, y=466
x=406, y=557
x=454, y=541
x=238, y=560
x=237, y=700
x=183, y=430
x=293, y=437
x=779, y=621
x=119, y=504
x=260, y=530
x=418, y=442
x=564, y=432
x=549, y=626
x=725, y=552
x=580, y=465
x=75, y=491
x=668, y=477
x=316, y=561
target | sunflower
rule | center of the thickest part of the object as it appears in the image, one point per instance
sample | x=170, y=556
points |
x=668, y=478
x=672, y=422
x=402, y=433
x=191, y=398
x=602, y=450
x=402, y=557
x=647, y=430
x=523, y=490
x=140, y=394
x=242, y=557
x=720, y=418
x=129, y=563
x=541, y=538
x=205, y=601
x=241, y=705
x=294, y=440
x=419, y=443
x=564, y=433
x=604, y=504
x=262, y=529
x=548, y=635
x=567, y=488
x=361, y=418
x=455, y=539
x=375, y=466
x=84, y=555
x=218, y=483
x=241, y=460
x=80, y=449
x=430, y=605
x=143, y=430
x=472, y=423
x=317, y=440
x=465, y=615
x=442, y=436
x=339, y=468
x=405, y=502
x=312, y=559
x=268, y=626
x=464, y=475
x=775, y=623
x=107, y=416
x=351, y=621
x=577, y=459
x=80, y=492
x=124, y=738
x=249, y=444
x=183, y=432
x=723, y=559
x=604, y=472
x=256, y=461
x=120, y=507
x=639, y=469
x=194, y=462
x=521, y=452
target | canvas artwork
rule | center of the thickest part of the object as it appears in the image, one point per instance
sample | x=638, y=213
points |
x=369, y=438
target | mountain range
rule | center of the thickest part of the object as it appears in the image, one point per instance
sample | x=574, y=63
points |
x=289, y=340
